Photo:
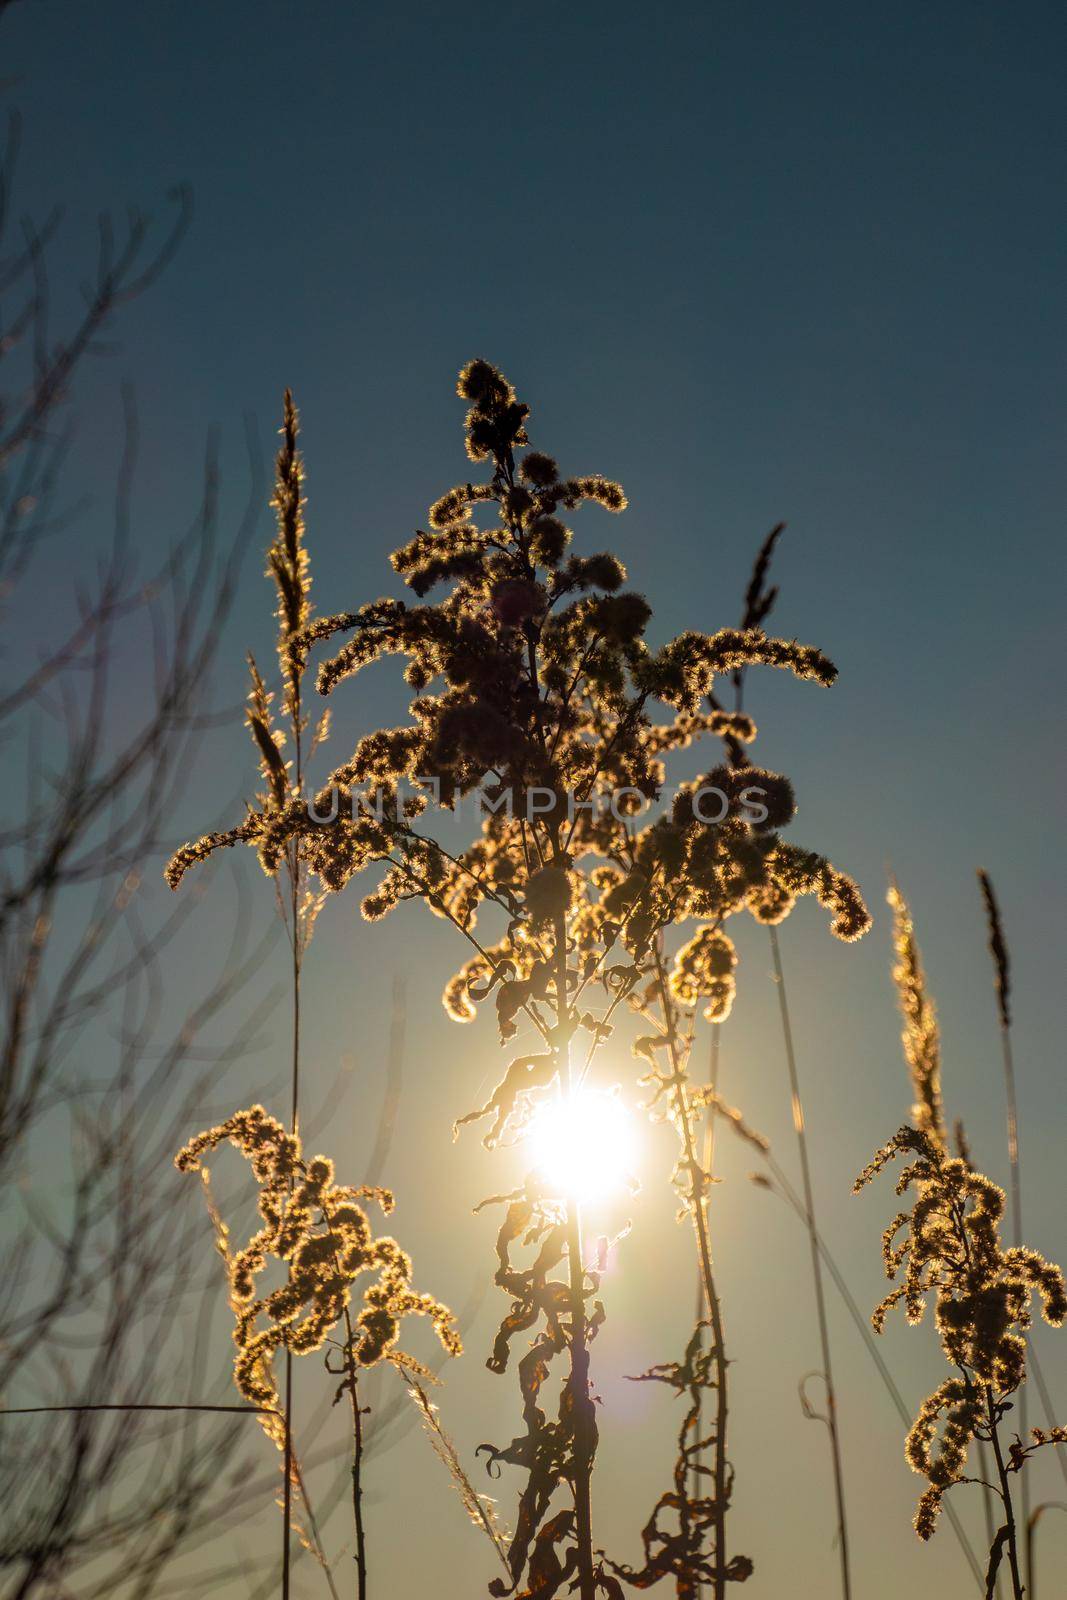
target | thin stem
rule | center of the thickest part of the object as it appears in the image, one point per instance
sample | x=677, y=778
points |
x=701, y=1307
x=816, y=1268
x=1015, y=1165
x=350, y=1360
x=32, y=1411
x=1005, y=1495
x=998, y=950
x=1012, y=1112
x=287, y=1491
x=863, y=1328
x=1013, y=1137
x=357, y=1489
x=987, y=1509
x=351, y=1371
x=296, y=942
x=698, y=1207
x=1046, y=1402
x=287, y=1468
x=315, y=1534
x=583, y=1407
x=578, y=1380
x=1031, y=1530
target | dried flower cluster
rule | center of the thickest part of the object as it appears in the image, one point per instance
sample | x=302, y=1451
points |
x=921, y=1036
x=534, y=670
x=277, y=824
x=704, y=970
x=952, y=1250
x=319, y=1229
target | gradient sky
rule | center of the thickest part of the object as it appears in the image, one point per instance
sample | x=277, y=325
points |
x=759, y=263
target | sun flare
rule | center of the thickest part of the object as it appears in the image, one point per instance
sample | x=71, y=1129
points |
x=583, y=1146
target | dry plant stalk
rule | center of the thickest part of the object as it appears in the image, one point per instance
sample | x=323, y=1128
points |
x=983, y=1291
x=284, y=858
x=681, y=1537
x=998, y=951
x=533, y=683
x=759, y=602
x=921, y=1041
x=480, y=1508
x=322, y=1234
x=921, y=1036
x=952, y=1249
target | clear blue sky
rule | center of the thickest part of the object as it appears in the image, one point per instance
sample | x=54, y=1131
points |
x=759, y=262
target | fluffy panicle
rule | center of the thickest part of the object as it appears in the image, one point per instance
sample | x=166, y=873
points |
x=921, y=1036
x=276, y=826
x=287, y=560
x=704, y=970
x=320, y=1231
x=948, y=1247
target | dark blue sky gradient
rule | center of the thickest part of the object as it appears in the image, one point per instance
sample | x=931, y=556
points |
x=759, y=263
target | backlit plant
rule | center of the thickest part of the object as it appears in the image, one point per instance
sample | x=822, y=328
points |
x=948, y=1247
x=534, y=685
x=317, y=1230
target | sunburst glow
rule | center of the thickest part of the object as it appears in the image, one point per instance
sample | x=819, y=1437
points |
x=583, y=1146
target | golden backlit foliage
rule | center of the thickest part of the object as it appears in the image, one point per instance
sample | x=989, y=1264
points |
x=320, y=1232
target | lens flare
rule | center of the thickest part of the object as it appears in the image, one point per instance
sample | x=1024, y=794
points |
x=583, y=1145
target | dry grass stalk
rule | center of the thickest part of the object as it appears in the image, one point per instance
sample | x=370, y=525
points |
x=951, y=1248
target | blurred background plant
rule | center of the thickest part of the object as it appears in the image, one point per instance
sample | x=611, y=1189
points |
x=101, y=1316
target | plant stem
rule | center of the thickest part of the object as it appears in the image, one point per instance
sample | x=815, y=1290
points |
x=863, y=1328
x=998, y=950
x=698, y=1207
x=701, y=1304
x=287, y=1491
x=294, y=1127
x=987, y=1509
x=1012, y=1111
x=357, y=1488
x=816, y=1268
x=584, y=1419
x=721, y=1411
x=1005, y=1495
x=351, y=1370
x=578, y=1380
x=1031, y=1529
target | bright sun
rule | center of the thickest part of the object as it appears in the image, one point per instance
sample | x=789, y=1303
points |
x=584, y=1146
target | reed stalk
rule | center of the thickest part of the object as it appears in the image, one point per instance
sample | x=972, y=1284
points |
x=782, y=1186
x=998, y=950
x=287, y=500
x=1031, y=1531
x=759, y=602
x=832, y=1428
